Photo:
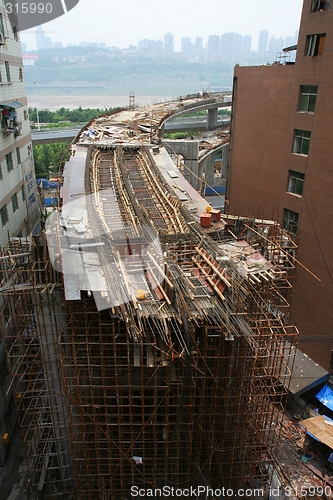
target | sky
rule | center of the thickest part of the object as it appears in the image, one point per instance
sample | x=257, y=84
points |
x=122, y=23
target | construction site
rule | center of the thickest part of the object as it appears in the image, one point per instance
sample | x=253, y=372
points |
x=147, y=334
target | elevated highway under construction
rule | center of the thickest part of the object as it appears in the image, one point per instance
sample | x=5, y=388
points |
x=147, y=334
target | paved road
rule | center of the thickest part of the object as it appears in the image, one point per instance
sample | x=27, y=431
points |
x=54, y=135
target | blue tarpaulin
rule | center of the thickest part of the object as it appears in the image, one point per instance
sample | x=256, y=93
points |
x=325, y=396
x=51, y=202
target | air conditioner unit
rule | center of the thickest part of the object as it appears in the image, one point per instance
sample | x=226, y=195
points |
x=2, y=39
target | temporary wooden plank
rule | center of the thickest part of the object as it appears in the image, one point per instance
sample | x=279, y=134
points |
x=160, y=286
x=214, y=268
x=209, y=279
x=160, y=270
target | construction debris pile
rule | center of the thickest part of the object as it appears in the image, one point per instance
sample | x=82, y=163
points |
x=138, y=125
x=143, y=351
x=295, y=477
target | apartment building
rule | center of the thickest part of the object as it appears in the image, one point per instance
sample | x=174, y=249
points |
x=19, y=208
x=281, y=166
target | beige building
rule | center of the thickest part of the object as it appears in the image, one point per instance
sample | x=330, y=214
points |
x=19, y=210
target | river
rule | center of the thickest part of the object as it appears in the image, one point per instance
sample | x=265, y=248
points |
x=53, y=103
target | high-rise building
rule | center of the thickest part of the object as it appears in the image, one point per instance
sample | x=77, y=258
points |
x=158, y=46
x=198, y=43
x=187, y=45
x=231, y=46
x=280, y=44
x=262, y=42
x=40, y=38
x=272, y=45
x=168, y=42
x=48, y=42
x=147, y=45
x=246, y=45
x=289, y=41
x=144, y=45
x=213, y=45
x=281, y=167
x=19, y=210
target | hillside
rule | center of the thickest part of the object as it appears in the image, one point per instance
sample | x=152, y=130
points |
x=105, y=72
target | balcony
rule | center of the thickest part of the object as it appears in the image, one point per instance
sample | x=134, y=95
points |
x=11, y=127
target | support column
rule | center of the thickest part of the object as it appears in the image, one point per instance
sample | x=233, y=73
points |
x=210, y=164
x=225, y=157
x=212, y=119
x=162, y=129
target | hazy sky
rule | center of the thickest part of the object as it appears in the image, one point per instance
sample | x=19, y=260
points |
x=125, y=22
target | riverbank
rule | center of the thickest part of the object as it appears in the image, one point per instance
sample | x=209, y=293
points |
x=87, y=101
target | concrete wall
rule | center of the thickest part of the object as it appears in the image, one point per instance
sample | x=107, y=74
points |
x=189, y=150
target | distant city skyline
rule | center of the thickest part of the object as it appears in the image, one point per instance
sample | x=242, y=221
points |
x=124, y=24
x=224, y=45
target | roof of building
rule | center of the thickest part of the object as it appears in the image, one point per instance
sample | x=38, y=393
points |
x=320, y=428
x=306, y=373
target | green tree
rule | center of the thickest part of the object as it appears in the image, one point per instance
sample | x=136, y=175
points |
x=78, y=115
x=49, y=158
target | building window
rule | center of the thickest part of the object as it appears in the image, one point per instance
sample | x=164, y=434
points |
x=22, y=193
x=21, y=74
x=315, y=45
x=290, y=221
x=7, y=71
x=9, y=161
x=14, y=203
x=318, y=5
x=308, y=98
x=4, y=215
x=18, y=155
x=295, y=182
x=1, y=25
x=301, y=142
x=16, y=38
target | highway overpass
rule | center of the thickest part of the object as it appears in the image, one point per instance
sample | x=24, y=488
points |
x=176, y=125
x=175, y=122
